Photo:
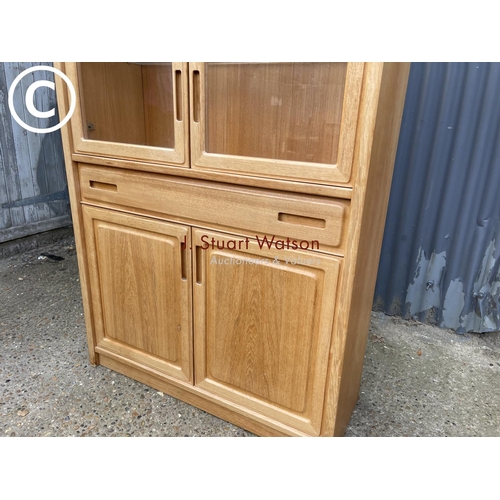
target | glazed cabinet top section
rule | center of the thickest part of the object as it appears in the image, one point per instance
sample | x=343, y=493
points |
x=286, y=121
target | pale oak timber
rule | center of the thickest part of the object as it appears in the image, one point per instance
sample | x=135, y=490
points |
x=223, y=177
x=112, y=102
x=305, y=171
x=137, y=150
x=141, y=294
x=263, y=328
x=382, y=107
x=158, y=88
x=285, y=111
x=230, y=206
x=253, y=355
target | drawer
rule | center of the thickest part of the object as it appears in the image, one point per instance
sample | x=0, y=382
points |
x=286, y=220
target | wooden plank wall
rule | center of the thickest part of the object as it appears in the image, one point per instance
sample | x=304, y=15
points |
x=33, y=187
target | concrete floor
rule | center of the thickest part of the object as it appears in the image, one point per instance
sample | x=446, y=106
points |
x=417, y=381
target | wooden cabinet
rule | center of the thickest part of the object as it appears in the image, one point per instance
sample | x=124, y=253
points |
x=229, y=218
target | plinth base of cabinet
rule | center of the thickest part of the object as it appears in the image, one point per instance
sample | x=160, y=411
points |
x=200, y=399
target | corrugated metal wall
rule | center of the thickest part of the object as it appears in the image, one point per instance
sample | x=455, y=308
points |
x=33, y=187
x=441, y=252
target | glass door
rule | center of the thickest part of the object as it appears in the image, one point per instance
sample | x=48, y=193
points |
x=132, y=110
x=281, y=120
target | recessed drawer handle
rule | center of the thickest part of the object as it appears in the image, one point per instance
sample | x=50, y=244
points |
x=103, y=185
x=301, y=220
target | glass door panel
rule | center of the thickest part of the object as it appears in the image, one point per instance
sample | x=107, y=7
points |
x=132, y=110
x=284, y=120
x=286, y=111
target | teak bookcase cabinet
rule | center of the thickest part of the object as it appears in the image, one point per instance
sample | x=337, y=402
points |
x=228, y=220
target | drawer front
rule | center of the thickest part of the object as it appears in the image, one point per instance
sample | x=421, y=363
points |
x=281, y=220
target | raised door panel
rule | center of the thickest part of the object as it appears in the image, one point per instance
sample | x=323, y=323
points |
x=141, y=290
x=130, y=110
x=282, y=120
x=263, y=326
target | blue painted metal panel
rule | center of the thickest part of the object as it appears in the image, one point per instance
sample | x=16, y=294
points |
x=441, y=251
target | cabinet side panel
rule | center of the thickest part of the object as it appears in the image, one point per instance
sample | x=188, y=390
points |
x=76, y=213
x=375, y=157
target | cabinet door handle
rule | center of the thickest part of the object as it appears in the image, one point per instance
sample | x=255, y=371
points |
x=196, y=96
x=199, y=265
x=178, y=95
x=184, y=245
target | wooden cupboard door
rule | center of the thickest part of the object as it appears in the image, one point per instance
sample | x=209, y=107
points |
x=131, y=110
x=263, y=326
x=281, y=120
x=140, y=281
